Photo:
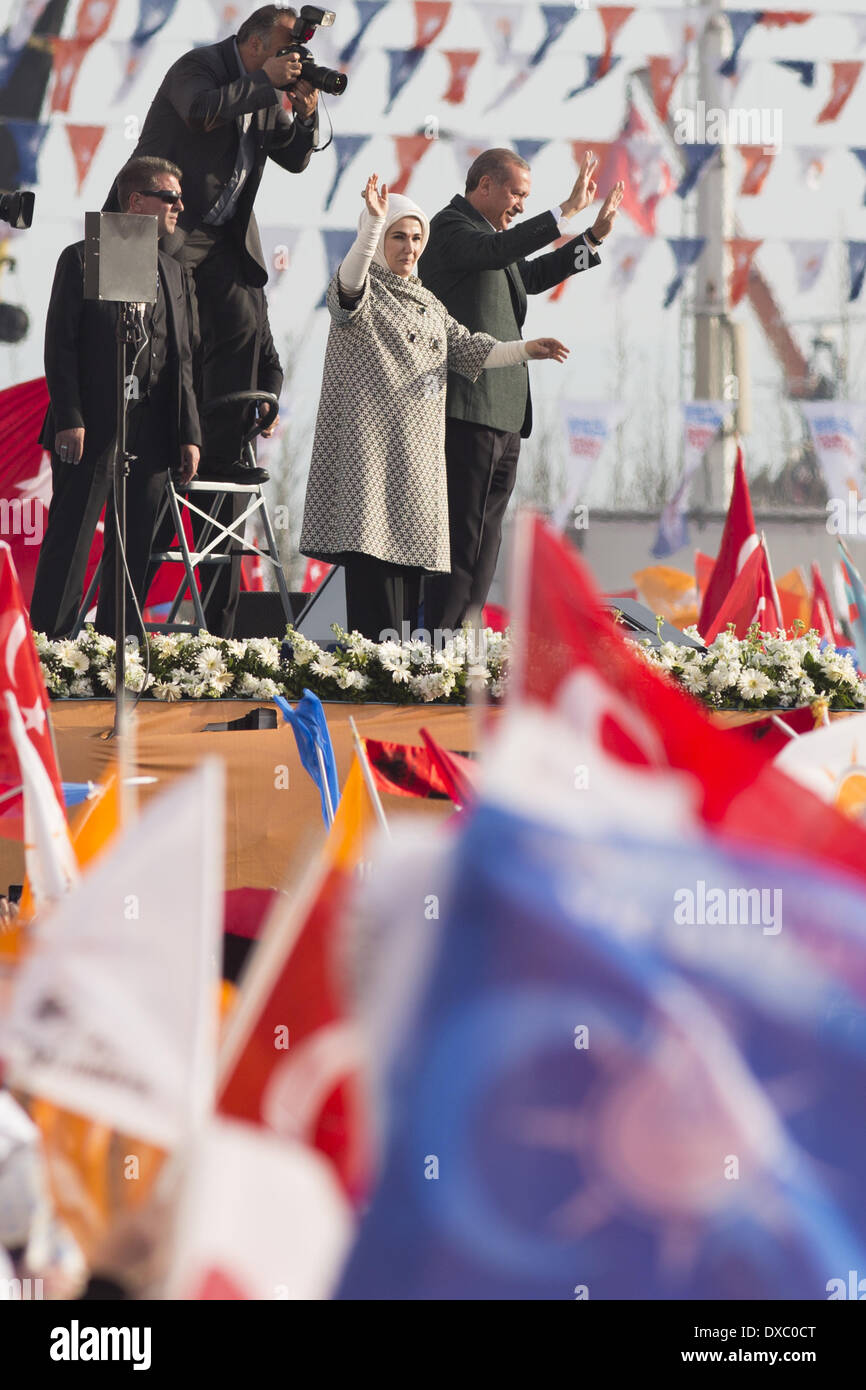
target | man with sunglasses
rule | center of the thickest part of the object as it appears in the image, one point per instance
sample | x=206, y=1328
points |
x=81, y=424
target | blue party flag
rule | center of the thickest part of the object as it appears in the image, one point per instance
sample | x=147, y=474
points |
x=315, y=749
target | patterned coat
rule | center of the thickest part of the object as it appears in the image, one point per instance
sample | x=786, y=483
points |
x=377, y=482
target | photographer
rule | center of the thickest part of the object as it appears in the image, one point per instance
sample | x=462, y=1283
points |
x=219, y=114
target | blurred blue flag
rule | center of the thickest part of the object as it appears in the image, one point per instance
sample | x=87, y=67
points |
x=636, y=1071
x=310, y=728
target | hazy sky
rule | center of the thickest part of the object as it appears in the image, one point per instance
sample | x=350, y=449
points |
x=622, y=346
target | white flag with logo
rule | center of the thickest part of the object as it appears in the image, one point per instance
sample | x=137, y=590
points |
x=837, y=430
x=588, y=426
x=809, y=257
x=114, y=1012
x=259, y=1218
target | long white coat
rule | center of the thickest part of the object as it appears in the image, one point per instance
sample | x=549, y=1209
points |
x=377, y=483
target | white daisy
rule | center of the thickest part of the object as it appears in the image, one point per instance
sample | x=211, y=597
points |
x=754, y=685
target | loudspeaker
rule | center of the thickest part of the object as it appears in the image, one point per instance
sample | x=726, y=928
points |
x=120, y=257
x=640, y=620
x=259, y=615
x=327, y=605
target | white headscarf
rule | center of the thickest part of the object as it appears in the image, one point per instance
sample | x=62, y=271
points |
x=398, y=206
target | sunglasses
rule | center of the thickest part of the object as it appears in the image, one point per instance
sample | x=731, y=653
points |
x=165, y=195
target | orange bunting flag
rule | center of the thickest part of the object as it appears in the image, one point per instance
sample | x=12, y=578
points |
x=431, y=16
x=845, y=77
x=94, y=17
x=461, y=62
x=794, y=600
x=663, y=78
x=759, y=162
x=410, y=150
x=68, y=57
x=84, y=141
x=743, y=253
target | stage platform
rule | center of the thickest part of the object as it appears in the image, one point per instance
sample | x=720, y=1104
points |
x=272, y=830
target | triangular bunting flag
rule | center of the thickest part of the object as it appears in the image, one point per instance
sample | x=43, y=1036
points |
x=555, y=17
x=809, y=259
x=685, y=250
x=367, y=11
x=741, y=22
x=759, y=161
x=402, y=63
x=500, y=22
x=152, y=16
x=805, y=71
x=856, y=268
x=431, y=16
x=613, y=17
x=518, y=65
x=338, y=242
x=625, y=256
x=861, y=155
x=461, y=62
x=664, y=72
x=346, y=147
x=68, y=57
x=29, y=137
x=94, y=17
x=529, y=149
x=845, y=77
x=812, y=159
x=697, y=158
x=743, y=253
x=593, y=74
x=410, y=150
x=84, y=141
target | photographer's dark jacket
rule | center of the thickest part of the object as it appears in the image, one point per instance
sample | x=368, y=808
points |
x=81, y=356
x=194, y=121
x=482, y=278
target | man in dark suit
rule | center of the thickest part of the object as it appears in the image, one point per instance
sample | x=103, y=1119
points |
x=474, y=262
x=219, y=114
x=81, y=424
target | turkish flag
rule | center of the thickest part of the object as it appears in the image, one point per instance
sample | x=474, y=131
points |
x=752, y=598
x=569, y=656
x=20, y=674
x=739, y=539
x=313, y=575
x=823, y=615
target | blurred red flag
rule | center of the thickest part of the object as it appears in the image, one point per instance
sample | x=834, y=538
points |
x=21, y=674
x=823, y=616
x=739, y=539
x=643, y=719
x=751, y=598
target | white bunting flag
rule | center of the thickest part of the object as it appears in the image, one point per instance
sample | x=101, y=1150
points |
x=809, y=257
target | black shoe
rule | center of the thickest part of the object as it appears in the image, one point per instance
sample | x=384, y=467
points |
x=239, y=474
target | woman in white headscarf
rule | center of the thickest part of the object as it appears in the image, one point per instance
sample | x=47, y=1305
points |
x=377, y=496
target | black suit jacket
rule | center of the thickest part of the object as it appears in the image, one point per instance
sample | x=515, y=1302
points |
x=193, y=121
x=483, y=278
x=81, y=360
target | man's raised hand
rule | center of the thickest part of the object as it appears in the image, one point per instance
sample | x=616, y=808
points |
x=609, y=209
x=585, y=186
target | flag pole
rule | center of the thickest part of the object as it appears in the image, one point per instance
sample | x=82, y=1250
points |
x=368, y=777
x=326, y=790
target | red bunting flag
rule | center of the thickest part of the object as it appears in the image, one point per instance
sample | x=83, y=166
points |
x=613, y=17
x=68, y=57
x=410, y=150
x=743, y=253
x=845, y=77
x=663, y=73
x=431, y=16
x=84, y=141
x=778, y=19
x=759, y=161
x=94, y=17
x=461, y=62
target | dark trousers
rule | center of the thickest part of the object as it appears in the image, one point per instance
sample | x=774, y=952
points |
x=482, y=470
x=148, y=440
x=79, y=494
x=230, y=314
x=380, y=597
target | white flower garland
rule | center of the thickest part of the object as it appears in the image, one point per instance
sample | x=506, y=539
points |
x=187, y=667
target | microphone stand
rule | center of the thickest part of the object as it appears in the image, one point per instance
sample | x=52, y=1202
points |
x=126, y=335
